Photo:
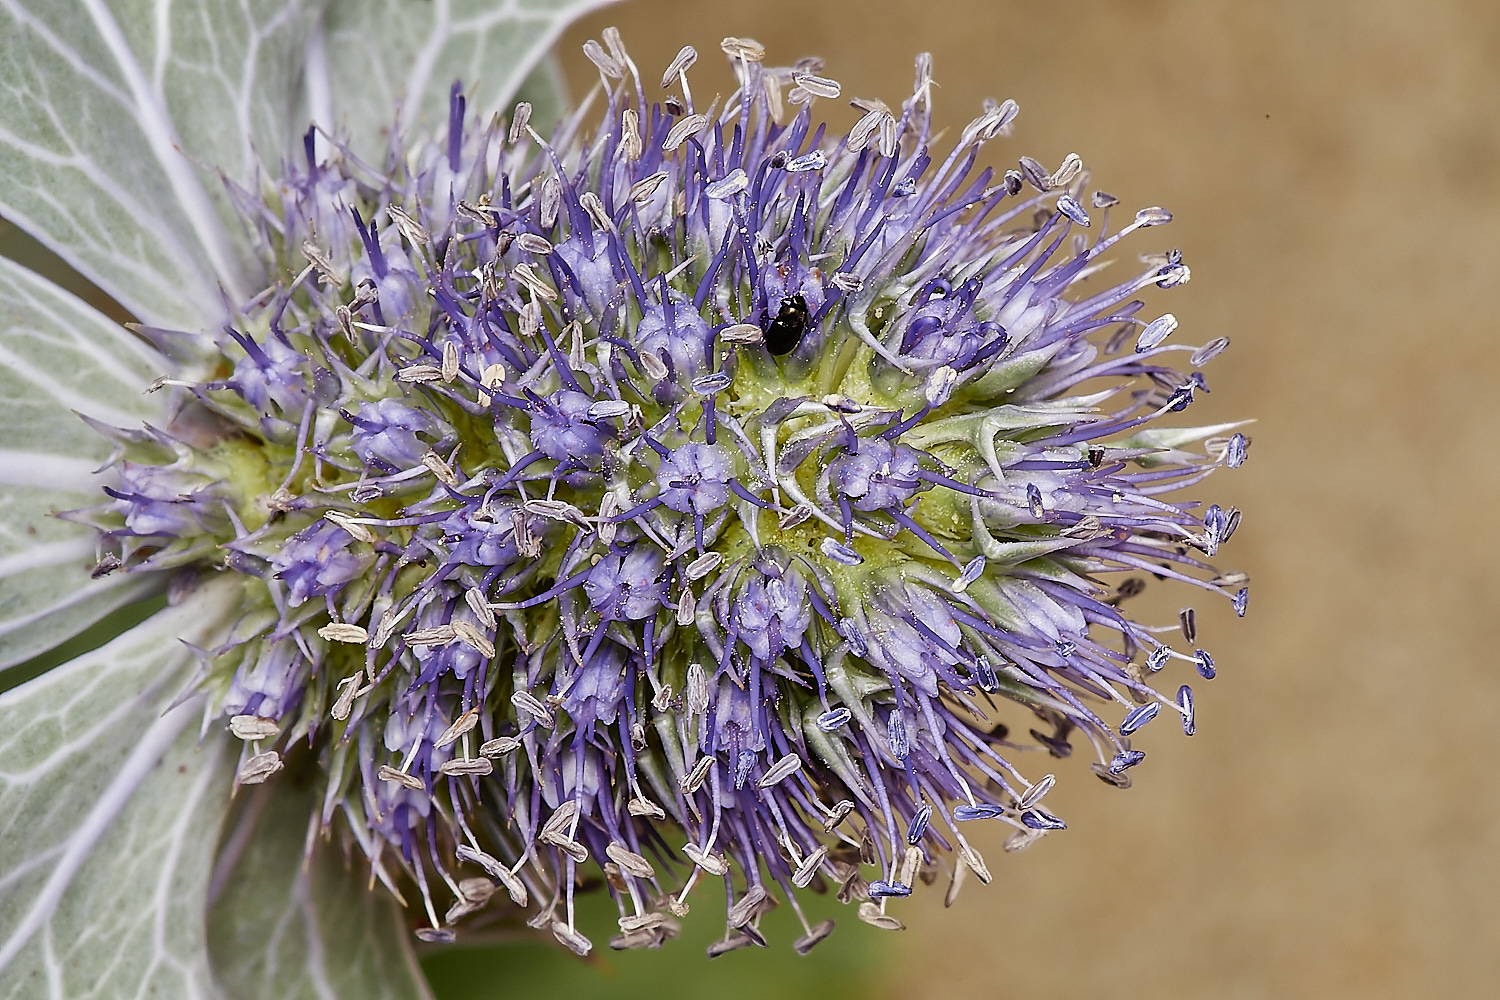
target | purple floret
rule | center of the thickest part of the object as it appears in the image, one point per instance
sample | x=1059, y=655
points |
x=316, y=562
x=386, y=431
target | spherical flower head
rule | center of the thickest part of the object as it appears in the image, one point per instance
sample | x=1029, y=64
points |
x=696, y=483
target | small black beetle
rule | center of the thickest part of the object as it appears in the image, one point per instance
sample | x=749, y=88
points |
x=785, y=331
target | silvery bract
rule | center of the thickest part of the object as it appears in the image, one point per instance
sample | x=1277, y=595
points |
x=683, y=494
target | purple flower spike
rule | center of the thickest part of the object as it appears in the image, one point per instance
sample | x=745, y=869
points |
x=695, y=477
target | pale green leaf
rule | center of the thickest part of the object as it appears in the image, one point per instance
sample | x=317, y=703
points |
x=112, y=115
x=64, y=603
x=230, y=72
x=109, y=815
x=370, y=53
x=58, y=358
x=286, y=925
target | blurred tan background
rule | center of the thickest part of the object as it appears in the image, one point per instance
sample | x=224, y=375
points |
x=1333, y=830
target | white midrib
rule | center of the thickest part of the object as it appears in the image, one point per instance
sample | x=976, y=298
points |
x=153, y=743
x=182, y=831
x=157, y=127
x=554, y=23
x=317, y=961
x=444, y=29
x=421, y=70
x=45, y=471
x=47, y=554
x=71, y=398
x=319, y=83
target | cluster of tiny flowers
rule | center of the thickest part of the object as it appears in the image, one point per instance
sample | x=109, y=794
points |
x=682, y=500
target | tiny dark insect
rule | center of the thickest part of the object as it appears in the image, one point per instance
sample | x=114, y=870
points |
x=785, y=331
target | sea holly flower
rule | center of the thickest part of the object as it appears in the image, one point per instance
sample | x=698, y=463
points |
x=684, y=494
